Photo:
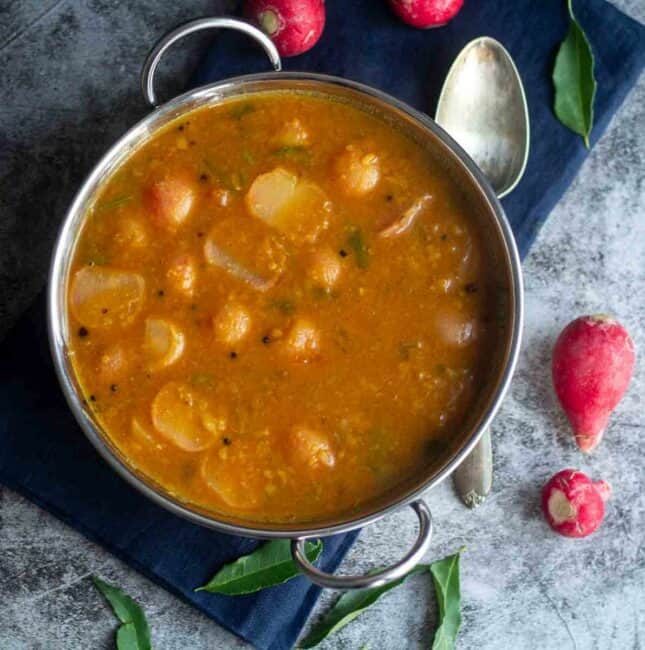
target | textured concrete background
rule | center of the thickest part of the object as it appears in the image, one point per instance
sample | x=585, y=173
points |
x=68, y=88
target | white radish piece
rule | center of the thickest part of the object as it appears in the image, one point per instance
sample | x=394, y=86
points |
x=113, y=363
x=324, y=268
x=183, y=417
x=292, y=134
x=358, y=171
x=298, y=208
x=232, y=323
x=144, y=436
x=163, y=343
x=223, y=198
x=182, y=274
x=454, y=328
x=407, y=219
x=169, y=202
x=131, y=233
x=104, y=297
x=302, y=342
x=310, y=448
x=237, y=487
x=307, y=214
x=270, y=193
x=217, y=257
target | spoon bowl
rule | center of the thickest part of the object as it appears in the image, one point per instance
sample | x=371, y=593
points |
x=483, y=107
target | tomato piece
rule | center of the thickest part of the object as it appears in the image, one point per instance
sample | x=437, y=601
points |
x=169, y=202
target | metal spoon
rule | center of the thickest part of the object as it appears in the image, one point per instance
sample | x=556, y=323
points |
x=483, y=107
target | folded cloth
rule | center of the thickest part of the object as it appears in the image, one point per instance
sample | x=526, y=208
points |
x=45, y=456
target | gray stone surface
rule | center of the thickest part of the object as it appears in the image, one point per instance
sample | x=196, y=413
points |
x=68, y=88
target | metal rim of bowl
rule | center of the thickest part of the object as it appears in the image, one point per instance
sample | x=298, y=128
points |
x=57, y=287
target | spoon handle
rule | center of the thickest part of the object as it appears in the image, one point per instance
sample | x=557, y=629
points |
x=473, y=479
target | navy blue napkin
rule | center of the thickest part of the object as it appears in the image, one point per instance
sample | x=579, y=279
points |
x=44, y=455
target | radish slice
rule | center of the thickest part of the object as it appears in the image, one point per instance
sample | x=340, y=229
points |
x=232, y=324
x=310, y=448
x=226, y=470
x=217, y=257
x=183, y=417
x=113, y=362
x=169, y=202
x=292, y=134
x=358, y=171
x=163, y=343
x=144, y=437
x=104, y=297
x=182, y=274
x=299, y=209
x=454, y=328
x=227, y=484
x=307, y=215
x=131, y=233
x=407, y=219
x=302, y=342
x=270, y=193
x=227, y=473
x=324, y=268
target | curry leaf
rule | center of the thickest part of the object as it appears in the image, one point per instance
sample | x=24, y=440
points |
x=269, y=565
x=357, y=242
x=445, y=575
x=573, y=76
x=115, y=202
x=283, y=305
x=295, y=152
x=350, y=605
x=126, y=637
x=242, y=109
x=134, y=634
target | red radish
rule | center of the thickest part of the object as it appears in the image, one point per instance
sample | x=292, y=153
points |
x=293, y=25
x=593, y=361
x=426, y=13
x=573, y=504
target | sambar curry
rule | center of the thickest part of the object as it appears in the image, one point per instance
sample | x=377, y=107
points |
x=278, y=308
